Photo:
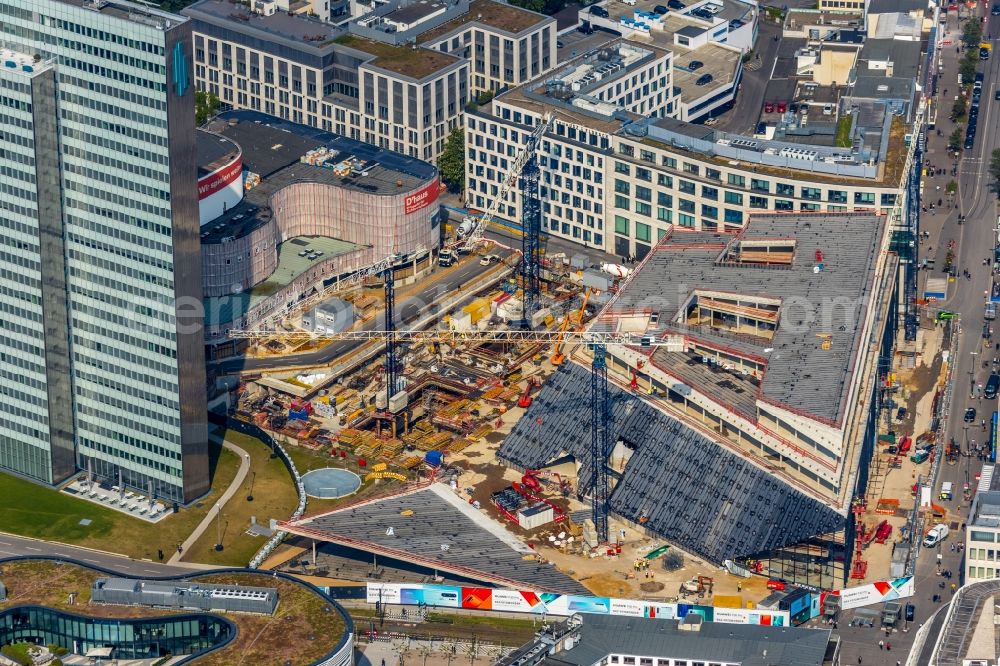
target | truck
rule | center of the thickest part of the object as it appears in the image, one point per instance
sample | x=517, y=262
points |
x=890, y=613
x=990, y=311
x=446, y=258
x=946, y=490
x=935, y=535
x=831, y=607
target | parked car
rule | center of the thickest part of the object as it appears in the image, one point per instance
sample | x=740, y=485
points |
x=768, y=107
x=704, y=80
x=992, y=386
x=910, y=611
x=901, y=413
x=675, y=4
x=599, y=11
x=970, y=415
x=661, y=10
x=695, y=65
x=488, y=259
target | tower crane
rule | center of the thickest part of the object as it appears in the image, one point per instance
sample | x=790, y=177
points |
x=523, y=170
x=601, y=416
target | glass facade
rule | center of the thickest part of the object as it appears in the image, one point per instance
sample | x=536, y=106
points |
x=129, y=638
x=102, y=216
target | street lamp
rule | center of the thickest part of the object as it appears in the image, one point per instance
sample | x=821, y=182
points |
x=253, y=477
x=218, y=527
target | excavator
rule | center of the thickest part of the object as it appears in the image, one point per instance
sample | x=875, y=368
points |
x=557, y=356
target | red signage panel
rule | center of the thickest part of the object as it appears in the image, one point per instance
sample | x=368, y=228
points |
x=214, y=182
x=422, y=198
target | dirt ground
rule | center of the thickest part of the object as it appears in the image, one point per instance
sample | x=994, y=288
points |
x=917, y=388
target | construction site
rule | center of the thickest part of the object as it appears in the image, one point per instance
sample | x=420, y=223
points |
x=478, y=468
x=714, y=424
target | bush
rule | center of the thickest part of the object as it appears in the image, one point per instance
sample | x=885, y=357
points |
x=17, y=652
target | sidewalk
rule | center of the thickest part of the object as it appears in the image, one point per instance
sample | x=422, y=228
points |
x=206, y=522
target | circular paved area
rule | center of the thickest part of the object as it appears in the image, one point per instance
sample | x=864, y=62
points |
x=330, y=483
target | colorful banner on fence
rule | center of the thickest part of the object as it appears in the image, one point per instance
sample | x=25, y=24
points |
x=875, y=593
x=550, y=603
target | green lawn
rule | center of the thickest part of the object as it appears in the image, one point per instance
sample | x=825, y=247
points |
x=31, y=510
x=274, y=496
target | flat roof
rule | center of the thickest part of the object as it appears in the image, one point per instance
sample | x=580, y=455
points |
x=272, y=148
x=415, y=62
x=214, y=151
x=748, y=645
x=719, y=61
x=617, y=59
x=412, y=13
x=800, y=372
x=489, y=13
x=130, y=11
x=296, y=27
x=223, y=309
x=443, y=532
x=904, y=56
x=891, y=6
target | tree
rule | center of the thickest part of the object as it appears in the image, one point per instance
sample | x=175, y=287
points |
x=972, y=33
x=951, y=187
x=955, y=139
x=206, y=105
x=967, y=70
x=452, y=161
x=958, y=108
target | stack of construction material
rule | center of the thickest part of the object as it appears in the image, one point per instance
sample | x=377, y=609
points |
x=434, y=441
x=480, y=432
x=391, y=448
x=350, y=438
x=458, y=445
x=493, y=396
x=412, y=461
x=368, y=449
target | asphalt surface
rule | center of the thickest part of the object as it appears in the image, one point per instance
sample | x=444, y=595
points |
x=745, y=114
x=974, y=240
x=13, y=545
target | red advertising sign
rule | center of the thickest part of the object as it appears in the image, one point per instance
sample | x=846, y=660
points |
x=422, y=198
x=214, y=182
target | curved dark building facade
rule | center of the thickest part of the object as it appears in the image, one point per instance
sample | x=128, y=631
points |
x=130, y=638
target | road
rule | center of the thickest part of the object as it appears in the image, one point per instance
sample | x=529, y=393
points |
x=407, y=310
x=11, y=545
x=975, y=240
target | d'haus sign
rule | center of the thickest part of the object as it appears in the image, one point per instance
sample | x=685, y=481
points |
x=422, y=198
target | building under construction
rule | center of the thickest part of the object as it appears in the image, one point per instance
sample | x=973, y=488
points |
x=749, y=439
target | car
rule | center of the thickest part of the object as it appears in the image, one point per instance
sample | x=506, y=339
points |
x=992, y=386
x=996, y=95
x=781, y=107
x=599, y=11
x=970, y=143
x=977, y=85
x=970, y=415
x=984, y=54
x=768, y=107
x=901, y=413
x=303, y=253
x=559, y=44
x=661, y=10
x=675, y=4
x=488, y=259
x=695, y=65
x=704, y=80
x=910, y=611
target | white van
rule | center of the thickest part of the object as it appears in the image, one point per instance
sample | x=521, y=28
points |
x=936, y=535
x=946, y=490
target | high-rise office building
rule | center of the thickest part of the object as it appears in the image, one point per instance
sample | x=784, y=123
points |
x=99, y=247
